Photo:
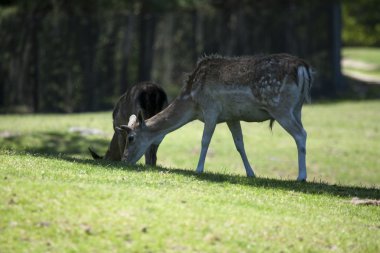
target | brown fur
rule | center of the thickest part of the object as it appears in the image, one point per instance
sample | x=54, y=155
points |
x=264, y=74
x=147, y=98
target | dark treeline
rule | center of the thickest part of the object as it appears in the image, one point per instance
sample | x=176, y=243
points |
x=70, y=56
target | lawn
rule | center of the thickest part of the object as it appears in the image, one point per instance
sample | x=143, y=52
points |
x=54, y=198
x=364, y=61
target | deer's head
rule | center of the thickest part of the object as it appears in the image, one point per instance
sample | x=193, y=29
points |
x=136, y=138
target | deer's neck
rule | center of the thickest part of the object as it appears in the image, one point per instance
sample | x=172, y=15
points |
x=178, y=113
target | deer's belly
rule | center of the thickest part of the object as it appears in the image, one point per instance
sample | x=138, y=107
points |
x=237, y=104
x=242, y=111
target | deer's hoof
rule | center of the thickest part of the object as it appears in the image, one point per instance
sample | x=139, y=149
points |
x=301, y=179
x=199, y=171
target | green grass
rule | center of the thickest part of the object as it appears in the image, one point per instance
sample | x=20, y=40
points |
x=54, y=198
x=373, y=73
x=364, y=54
x=368, y=55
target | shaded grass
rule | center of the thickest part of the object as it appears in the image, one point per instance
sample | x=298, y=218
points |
x=53, y=143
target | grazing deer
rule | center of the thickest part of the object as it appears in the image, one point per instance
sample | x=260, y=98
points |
x=146, y=98
x=252, y=89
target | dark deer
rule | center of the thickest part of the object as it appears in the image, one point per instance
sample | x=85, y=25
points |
x=220, y=89
x=146, y=98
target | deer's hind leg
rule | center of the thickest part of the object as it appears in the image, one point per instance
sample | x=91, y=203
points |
x=291, y=122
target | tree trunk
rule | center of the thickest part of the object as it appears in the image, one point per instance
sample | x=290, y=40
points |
x=147, y=32
x=35, y=63
x=2, y=86
x=164, y=63
x=126, y=48
x=194, y=38
x=336, y=44
x=88, y=54
x=108, y=80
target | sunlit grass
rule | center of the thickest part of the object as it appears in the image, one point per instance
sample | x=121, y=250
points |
x=370, y=57
x=365, y=54
x=54, y=198
x=342, y=144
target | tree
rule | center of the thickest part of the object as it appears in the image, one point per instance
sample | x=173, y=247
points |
x=361, y=22
x=67, y=55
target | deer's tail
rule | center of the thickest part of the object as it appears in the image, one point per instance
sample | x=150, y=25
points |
x=94, y=155
x=305, y=80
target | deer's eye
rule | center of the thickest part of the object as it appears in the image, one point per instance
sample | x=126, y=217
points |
x=131, y=138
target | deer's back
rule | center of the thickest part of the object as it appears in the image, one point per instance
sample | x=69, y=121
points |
x=250, y=70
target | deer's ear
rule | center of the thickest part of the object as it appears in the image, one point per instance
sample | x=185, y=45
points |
x=123, y=129
x=140, y=117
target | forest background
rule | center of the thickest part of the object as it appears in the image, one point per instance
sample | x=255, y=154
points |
x=75, y=56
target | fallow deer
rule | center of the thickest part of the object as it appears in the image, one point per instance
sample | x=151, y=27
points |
x=147, y=98
x=220, y=89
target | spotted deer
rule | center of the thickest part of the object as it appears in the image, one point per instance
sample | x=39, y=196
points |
x=221, y=89
x=148, y=99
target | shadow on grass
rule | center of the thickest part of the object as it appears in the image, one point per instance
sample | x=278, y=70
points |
x=54, y=143
x=287, y=185
x=65, y=145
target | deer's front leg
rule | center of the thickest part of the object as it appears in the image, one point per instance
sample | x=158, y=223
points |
x=151, y=155
x=114, y=152
x=235, y=129
x=206, y=138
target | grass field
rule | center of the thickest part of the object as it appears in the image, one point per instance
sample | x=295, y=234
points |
x=362, y=61
x=54, y=198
